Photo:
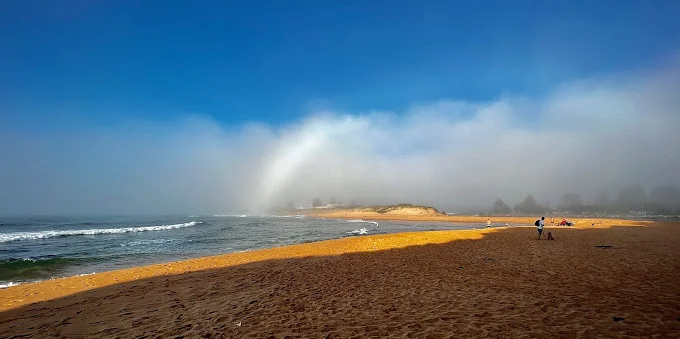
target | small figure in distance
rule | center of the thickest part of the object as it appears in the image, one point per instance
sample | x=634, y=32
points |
x=539, y=226
x=488, y=223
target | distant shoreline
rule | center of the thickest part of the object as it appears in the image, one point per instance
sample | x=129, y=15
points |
x=427, y=214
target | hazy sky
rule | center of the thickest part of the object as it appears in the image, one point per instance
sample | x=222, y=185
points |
x=143, y=107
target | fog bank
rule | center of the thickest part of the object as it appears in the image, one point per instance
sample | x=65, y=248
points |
x=585, y=137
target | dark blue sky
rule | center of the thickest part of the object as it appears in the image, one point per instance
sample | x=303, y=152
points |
x=275, y=61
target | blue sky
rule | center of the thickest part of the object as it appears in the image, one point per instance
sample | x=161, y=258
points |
x=212, y=106
x=277, y=61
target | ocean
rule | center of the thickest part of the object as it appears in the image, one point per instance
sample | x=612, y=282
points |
x=39, y=248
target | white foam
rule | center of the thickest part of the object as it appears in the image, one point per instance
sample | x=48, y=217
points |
x=364, y=221
x=359, y=231
x=6, y=237
x=230, y=215
x=147, y=242
x=297, y=216
x=9, y=284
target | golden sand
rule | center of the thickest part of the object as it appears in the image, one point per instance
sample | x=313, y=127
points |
x=498, y=282
x=420, y=214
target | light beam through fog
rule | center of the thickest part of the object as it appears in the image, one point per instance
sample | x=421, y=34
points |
x=585, y=137
x=288, y=156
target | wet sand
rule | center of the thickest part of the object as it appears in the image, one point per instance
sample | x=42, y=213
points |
x=499, y=282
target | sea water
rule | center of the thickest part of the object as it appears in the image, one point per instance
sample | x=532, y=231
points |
x=39, y=248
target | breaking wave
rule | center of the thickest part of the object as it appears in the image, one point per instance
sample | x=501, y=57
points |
x=9, y=284
x=6, y=237
x=24, y=269
x=364, y=221
x=148, y=242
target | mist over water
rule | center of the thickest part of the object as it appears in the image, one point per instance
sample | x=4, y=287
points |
x=586, y=137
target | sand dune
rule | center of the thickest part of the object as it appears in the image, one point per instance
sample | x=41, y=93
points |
x=500, y=283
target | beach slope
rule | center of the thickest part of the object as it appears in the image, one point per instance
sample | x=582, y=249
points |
x=500, y=283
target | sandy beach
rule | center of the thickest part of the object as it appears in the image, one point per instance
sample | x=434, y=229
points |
x=498, y=282
x=423, y=214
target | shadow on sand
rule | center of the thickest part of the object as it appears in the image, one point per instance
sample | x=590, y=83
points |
x=507, y=284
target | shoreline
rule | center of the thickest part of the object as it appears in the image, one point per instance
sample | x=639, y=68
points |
x=527, y=220
x=365, y=243
x=85, y=270
x=497, y=222
x=479, y=282
x=87, y=281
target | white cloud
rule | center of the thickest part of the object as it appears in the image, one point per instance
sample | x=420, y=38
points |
x=585, y=136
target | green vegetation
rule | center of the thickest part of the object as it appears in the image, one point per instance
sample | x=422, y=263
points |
x=662, y=200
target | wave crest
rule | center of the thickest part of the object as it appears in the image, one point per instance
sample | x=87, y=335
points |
x=358, y=231
x=363, y=221
x=23, y=269
x=9, y=284
x=16, y=236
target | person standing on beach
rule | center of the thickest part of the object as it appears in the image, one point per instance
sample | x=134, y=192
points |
x=539, y=226
x=488, y=223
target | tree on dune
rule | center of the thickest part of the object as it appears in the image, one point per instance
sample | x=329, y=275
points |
x=500, y=207
x=529, y=206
